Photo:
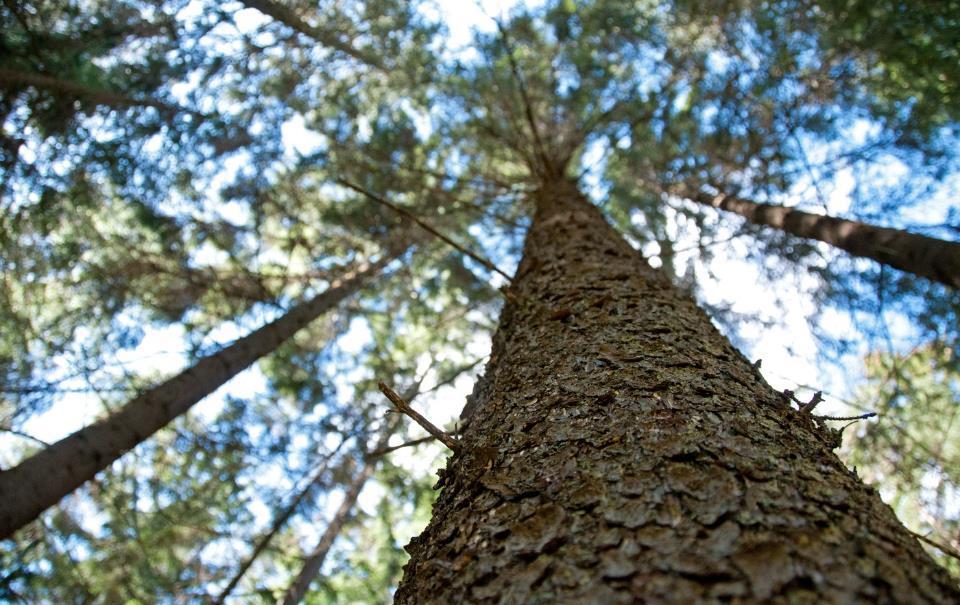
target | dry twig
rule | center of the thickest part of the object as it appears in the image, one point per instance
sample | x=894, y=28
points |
x=947, y=550
x=404, y=408
x=407, y=214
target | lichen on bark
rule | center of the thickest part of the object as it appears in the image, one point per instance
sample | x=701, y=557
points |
x=638, y=457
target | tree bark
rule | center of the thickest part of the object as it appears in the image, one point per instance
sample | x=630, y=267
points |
x=13, y=77
x=284, y=15
x=927, y=257
x=620, y=450
x=42, y=480
x=311, y=566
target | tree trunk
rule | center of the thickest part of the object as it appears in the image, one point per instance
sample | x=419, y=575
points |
x=42, y=480
x=279, y=521
x=928, y=257
x=16, y=78
x=311, y=566
x=620, y=450
x=284, y=15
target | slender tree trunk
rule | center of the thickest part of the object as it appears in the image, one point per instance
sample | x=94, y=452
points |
x=13, y=77
x=311, y=566
x=620, y=450
x=279, y=522
x=42, y=480
x=928, y=257
x=284, y=15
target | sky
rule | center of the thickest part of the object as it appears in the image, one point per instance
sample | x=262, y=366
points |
x=788, y=350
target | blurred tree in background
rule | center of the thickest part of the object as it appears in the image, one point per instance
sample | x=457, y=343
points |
x=911, y=453
x=174, y=175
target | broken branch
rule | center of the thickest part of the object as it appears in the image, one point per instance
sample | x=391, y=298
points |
x=947, y=550
x=404, y=408
x=807, y=408
x=406, y=214
x=860, y=417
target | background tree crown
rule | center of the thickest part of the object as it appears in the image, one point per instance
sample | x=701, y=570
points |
x=175, y=174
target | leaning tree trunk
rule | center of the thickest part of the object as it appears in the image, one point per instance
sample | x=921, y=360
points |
x=42, y=480
x=280, y=520
x=928, y=257
x=314, y=561
x=620, y=450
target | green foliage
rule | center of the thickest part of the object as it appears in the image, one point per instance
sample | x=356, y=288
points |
x=145, y=543
x=369, y=564
x=182, y=171
x=911, y=452
x=906, y=54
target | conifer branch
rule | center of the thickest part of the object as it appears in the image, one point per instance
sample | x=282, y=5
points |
x=524, y=97
x=426, y=226
x=13, y=78
x=279, y=521
x=288, y=17
x=945, y=549
x=404, y=408
x=386, y=450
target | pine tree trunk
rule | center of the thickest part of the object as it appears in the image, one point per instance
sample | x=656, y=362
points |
x=64, y=88
x=620, y=450
x=283, y=14
x=279, y=522
x=928, y=257
x=42, y=480
x=311, y=566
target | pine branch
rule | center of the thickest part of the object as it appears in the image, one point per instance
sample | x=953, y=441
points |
x=404, y=408
x=524, y=96
x=426, y=226
x=945, y=549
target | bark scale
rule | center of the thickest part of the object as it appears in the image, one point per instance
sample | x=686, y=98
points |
x=40, y=481
x=620, y=450
x=928, y=257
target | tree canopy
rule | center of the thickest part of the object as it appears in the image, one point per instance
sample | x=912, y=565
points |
x=175, y=174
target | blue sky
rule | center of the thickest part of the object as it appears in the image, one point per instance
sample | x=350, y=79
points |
x=788, y=350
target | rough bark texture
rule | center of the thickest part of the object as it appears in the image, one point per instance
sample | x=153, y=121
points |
x=620, y=450
x=311, y=566
x=12, y=77
x=284, y=15
x=934, y=259
x=42, y=480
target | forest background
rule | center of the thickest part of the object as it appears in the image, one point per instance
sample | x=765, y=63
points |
x=175, y=175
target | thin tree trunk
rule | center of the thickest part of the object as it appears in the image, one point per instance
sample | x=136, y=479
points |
x=42, y=480
x=284, y=15
x=279, y=522
x=67, y=88
x=311, y=567
x=620, y=450
x=927, y=257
